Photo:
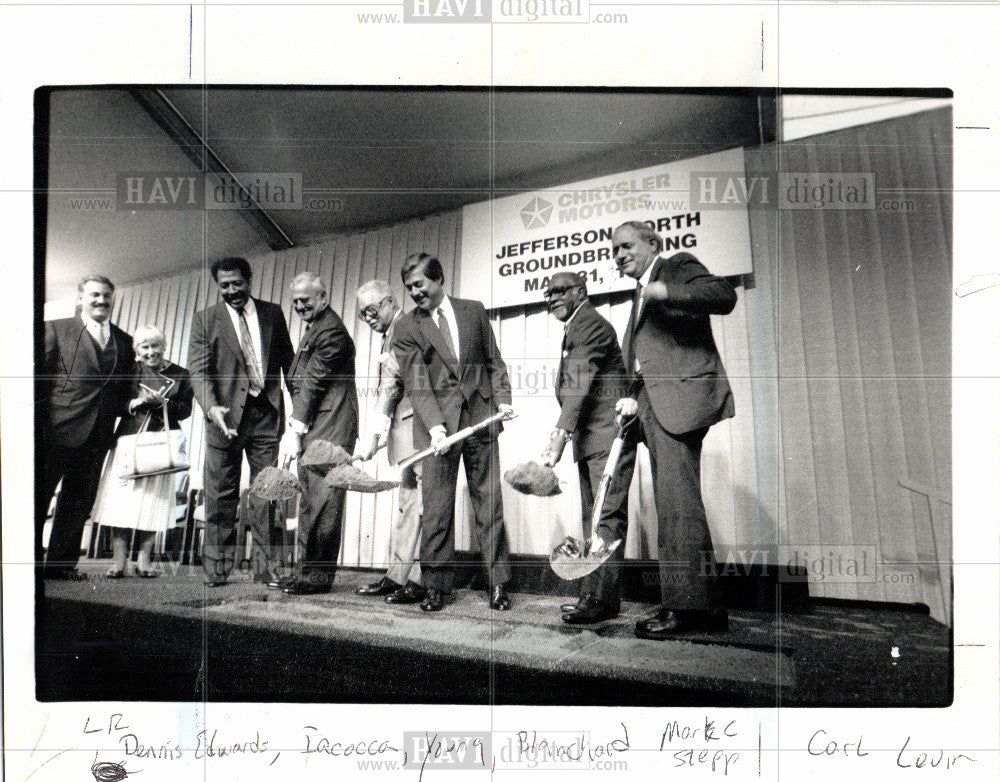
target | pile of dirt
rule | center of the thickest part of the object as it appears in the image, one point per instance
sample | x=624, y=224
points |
x=349, y=477
x=533, y=478
x=275, y=484
x=322, y=455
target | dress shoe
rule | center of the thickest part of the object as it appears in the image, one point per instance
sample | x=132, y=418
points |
x=115, y=573
x=213, y=584
x=308, y=588
x=589, y=611
x=384, y=586
x=433, y=600
x=280, y=582
x=64, y=574
x=147, y=574
x=406, y=595
x=569, y=608
x=499, y=600
x=668, y=623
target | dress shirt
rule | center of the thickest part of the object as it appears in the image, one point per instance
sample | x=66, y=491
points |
x=250, y=310
x=449, y=313
x=99, y=331
x=643, y=281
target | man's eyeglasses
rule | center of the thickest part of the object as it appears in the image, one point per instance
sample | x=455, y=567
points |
x=558, y=290
x=371, y=311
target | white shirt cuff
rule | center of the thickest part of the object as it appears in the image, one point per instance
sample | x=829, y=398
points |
x=297, y=426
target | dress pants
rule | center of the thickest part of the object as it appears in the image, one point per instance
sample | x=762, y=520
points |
x=688, y=578
x=321, y=521
x=481, y=456
x=605, y=582
x=405, y=537
x=80, y=471
x=258, y=437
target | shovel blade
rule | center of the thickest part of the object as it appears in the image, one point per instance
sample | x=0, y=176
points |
x=569, y=562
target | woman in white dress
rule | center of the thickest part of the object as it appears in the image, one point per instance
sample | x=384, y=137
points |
x=141, y=507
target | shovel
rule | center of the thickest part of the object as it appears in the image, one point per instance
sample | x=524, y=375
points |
x=571, y=559
x=350, y=478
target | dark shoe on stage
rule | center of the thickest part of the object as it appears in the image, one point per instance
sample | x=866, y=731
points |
x=499, y=600
x=384, y=586
x=406, y=595
x=213, y=584
x=308, y=588
x=113, y=573
x=589, y=611
x=64, y=574
x=569, y=608
x=147, y=574
x=280, y=582
x=433, y=600
x=667, y=623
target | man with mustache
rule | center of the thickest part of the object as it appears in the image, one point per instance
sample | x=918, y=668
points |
x=678, y=389
x=83, y=385
x=239, y=348
x=591, y=380
x=455, y=377
x=324, y=407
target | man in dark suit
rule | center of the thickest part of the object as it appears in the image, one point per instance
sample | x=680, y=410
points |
x=391, y=421
x=455, y=377
x=678, y=388
x=324, y=407
x=591, y=381
x=239, y=348
x=83, y=385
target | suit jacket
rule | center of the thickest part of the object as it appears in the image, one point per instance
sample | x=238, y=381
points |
x=591, y=380
x=179, y=399
x=321, y=381
x=437, y=388
x=218, y=369
x=673, y=342
x=391, y=400
x=77, y=398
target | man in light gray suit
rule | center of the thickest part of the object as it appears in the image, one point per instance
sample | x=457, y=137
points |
x=392, y=421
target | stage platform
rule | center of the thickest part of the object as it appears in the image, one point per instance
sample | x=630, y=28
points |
x=173, y=639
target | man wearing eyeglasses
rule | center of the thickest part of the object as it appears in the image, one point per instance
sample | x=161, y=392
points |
x=392, y=422
x=591, y=380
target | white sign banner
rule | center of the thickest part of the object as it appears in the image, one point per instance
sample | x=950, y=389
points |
x=512, y=245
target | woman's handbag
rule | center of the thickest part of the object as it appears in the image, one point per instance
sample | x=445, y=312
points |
x=151, y=453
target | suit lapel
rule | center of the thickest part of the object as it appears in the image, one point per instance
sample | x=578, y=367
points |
x=433, y=335
x=266, y=329
x=225, y=324
x=653, y=277
x=463, y=327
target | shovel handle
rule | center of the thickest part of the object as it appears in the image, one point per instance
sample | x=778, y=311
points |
x=460, y=435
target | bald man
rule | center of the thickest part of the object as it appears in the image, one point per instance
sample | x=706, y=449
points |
x=591, y=380
x=324, y=407
x=392, y=422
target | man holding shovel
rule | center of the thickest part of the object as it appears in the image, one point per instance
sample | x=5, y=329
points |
x=324, y=407
x=455, y=377
x=591, y=380
x=678, y=389
x=392, y=422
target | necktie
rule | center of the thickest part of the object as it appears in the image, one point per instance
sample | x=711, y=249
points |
x=100, y=332
x=250, y=356
x=446, y=333
x=630, y=332
x=382, y=352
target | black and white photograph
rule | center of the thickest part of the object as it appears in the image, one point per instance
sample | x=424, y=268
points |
x=707, y=334
x=501, y=387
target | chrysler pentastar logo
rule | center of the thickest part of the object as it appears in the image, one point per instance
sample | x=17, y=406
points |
x=537, y=213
